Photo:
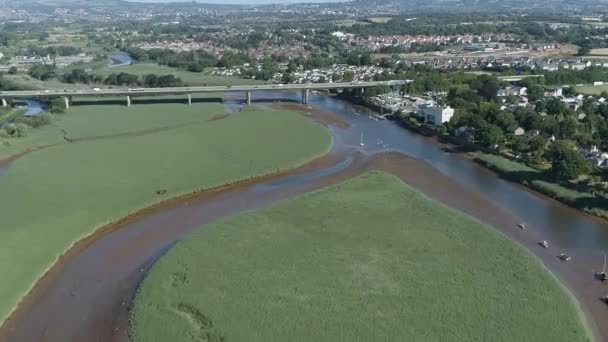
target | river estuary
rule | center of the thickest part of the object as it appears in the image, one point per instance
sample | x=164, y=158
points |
x=87, y=295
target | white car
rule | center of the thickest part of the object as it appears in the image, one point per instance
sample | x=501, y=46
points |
x=96, y=89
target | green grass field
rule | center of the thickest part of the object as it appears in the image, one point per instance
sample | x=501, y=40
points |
x=592, y=90
x=190, y=78
x=367, y=260
x=53, y=197
x=24, y=81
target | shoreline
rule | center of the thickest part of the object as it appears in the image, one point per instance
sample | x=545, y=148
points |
x=451, y=142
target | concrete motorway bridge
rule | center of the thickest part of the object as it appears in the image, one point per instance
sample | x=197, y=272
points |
x=128, y=93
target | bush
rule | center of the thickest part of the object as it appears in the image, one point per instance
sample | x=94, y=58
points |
x=35, y=121
x=58, y=106
x=16, y=130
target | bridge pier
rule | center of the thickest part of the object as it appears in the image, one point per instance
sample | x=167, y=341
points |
x=189, y=99
x=248, y=97
x=4, y=103
x=128, y=101
x=305, y=94
x=66, y=101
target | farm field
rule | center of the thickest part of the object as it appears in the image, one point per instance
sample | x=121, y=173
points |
x=129, y=155
x=320, y=267
x=190, y=78
x=599, y=52
x=592, y=90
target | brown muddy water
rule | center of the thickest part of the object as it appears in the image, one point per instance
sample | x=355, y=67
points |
x=86, y=296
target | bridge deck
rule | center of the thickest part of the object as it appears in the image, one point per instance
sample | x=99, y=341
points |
x=189, y=90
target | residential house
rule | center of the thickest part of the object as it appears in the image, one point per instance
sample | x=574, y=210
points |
x=435, y=114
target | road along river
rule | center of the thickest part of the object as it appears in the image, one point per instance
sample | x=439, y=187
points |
x=86, y=296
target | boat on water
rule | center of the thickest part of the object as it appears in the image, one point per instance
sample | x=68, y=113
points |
x=564, y=257
x=522, y=225
x=603, y=276
x=361, y=142
x=543, y=244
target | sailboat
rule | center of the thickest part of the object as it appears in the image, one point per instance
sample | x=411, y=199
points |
x=602, y=275
x=361, y=143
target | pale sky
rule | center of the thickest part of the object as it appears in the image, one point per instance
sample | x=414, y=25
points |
x=242, y=2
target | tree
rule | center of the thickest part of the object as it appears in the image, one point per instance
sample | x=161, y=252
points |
x=151, y=80
x=568, y=91
x=535, y=93
x=13, y=70
x=58, y=106
x=567, y=127
x=195, y=67
x=555, y=106
x=348, y=76
x=569, y=164
x=42, y=72
x=490, y=135
x=520, y=144
x=287, y=78
x=538, y=145
x=77, y=76
x=487, y=87
x=550, y=126
x=17, y=130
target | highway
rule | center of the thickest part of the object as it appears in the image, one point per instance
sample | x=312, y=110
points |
x=187, y=90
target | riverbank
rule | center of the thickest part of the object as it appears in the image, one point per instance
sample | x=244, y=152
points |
x=589, y=202
x=103, y=177
x=586, y=201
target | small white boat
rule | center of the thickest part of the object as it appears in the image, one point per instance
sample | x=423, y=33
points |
x=603, y=276
x=543, y=244
x=522, y=225
x=361, y=143
x=564, y=257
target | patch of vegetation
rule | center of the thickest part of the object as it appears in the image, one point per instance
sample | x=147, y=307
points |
x=370, y=259
x=576, y=195
x=114, y=165
x=187, y=77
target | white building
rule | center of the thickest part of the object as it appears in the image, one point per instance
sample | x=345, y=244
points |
x=435, y=114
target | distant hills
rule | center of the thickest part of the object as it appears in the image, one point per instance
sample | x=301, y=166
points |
x=402, y=6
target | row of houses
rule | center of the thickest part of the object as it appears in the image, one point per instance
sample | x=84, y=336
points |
x=24, y=63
